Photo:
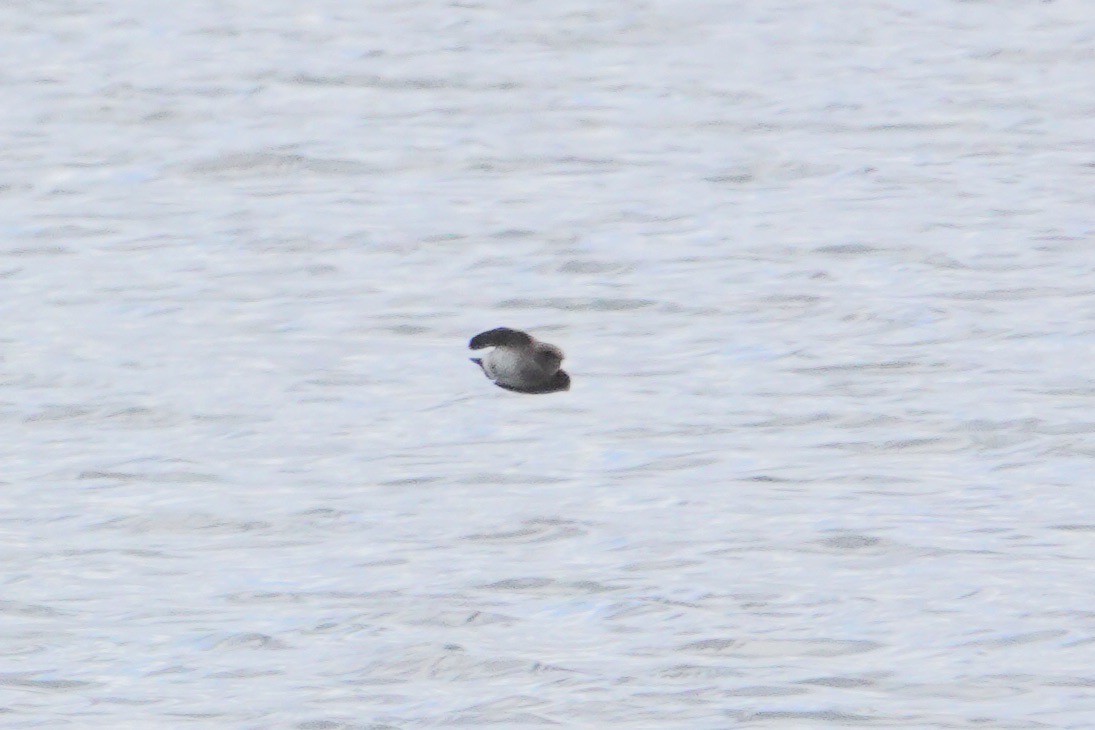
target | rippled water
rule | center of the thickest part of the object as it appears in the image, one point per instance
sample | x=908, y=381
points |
x=824, y=273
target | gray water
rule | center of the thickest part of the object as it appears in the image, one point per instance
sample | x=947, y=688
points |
x=824, y=273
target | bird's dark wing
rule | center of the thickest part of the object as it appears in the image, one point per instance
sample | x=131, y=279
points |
x=500, y=336
x=561, y=381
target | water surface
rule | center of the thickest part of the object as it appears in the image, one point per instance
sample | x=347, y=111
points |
x=823, y=273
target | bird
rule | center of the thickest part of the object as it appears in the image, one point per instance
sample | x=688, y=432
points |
x=519, y=362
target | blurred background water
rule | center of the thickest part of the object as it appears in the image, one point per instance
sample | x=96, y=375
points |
x=824, y=273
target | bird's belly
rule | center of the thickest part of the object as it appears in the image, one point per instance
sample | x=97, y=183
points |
x=512, y=368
